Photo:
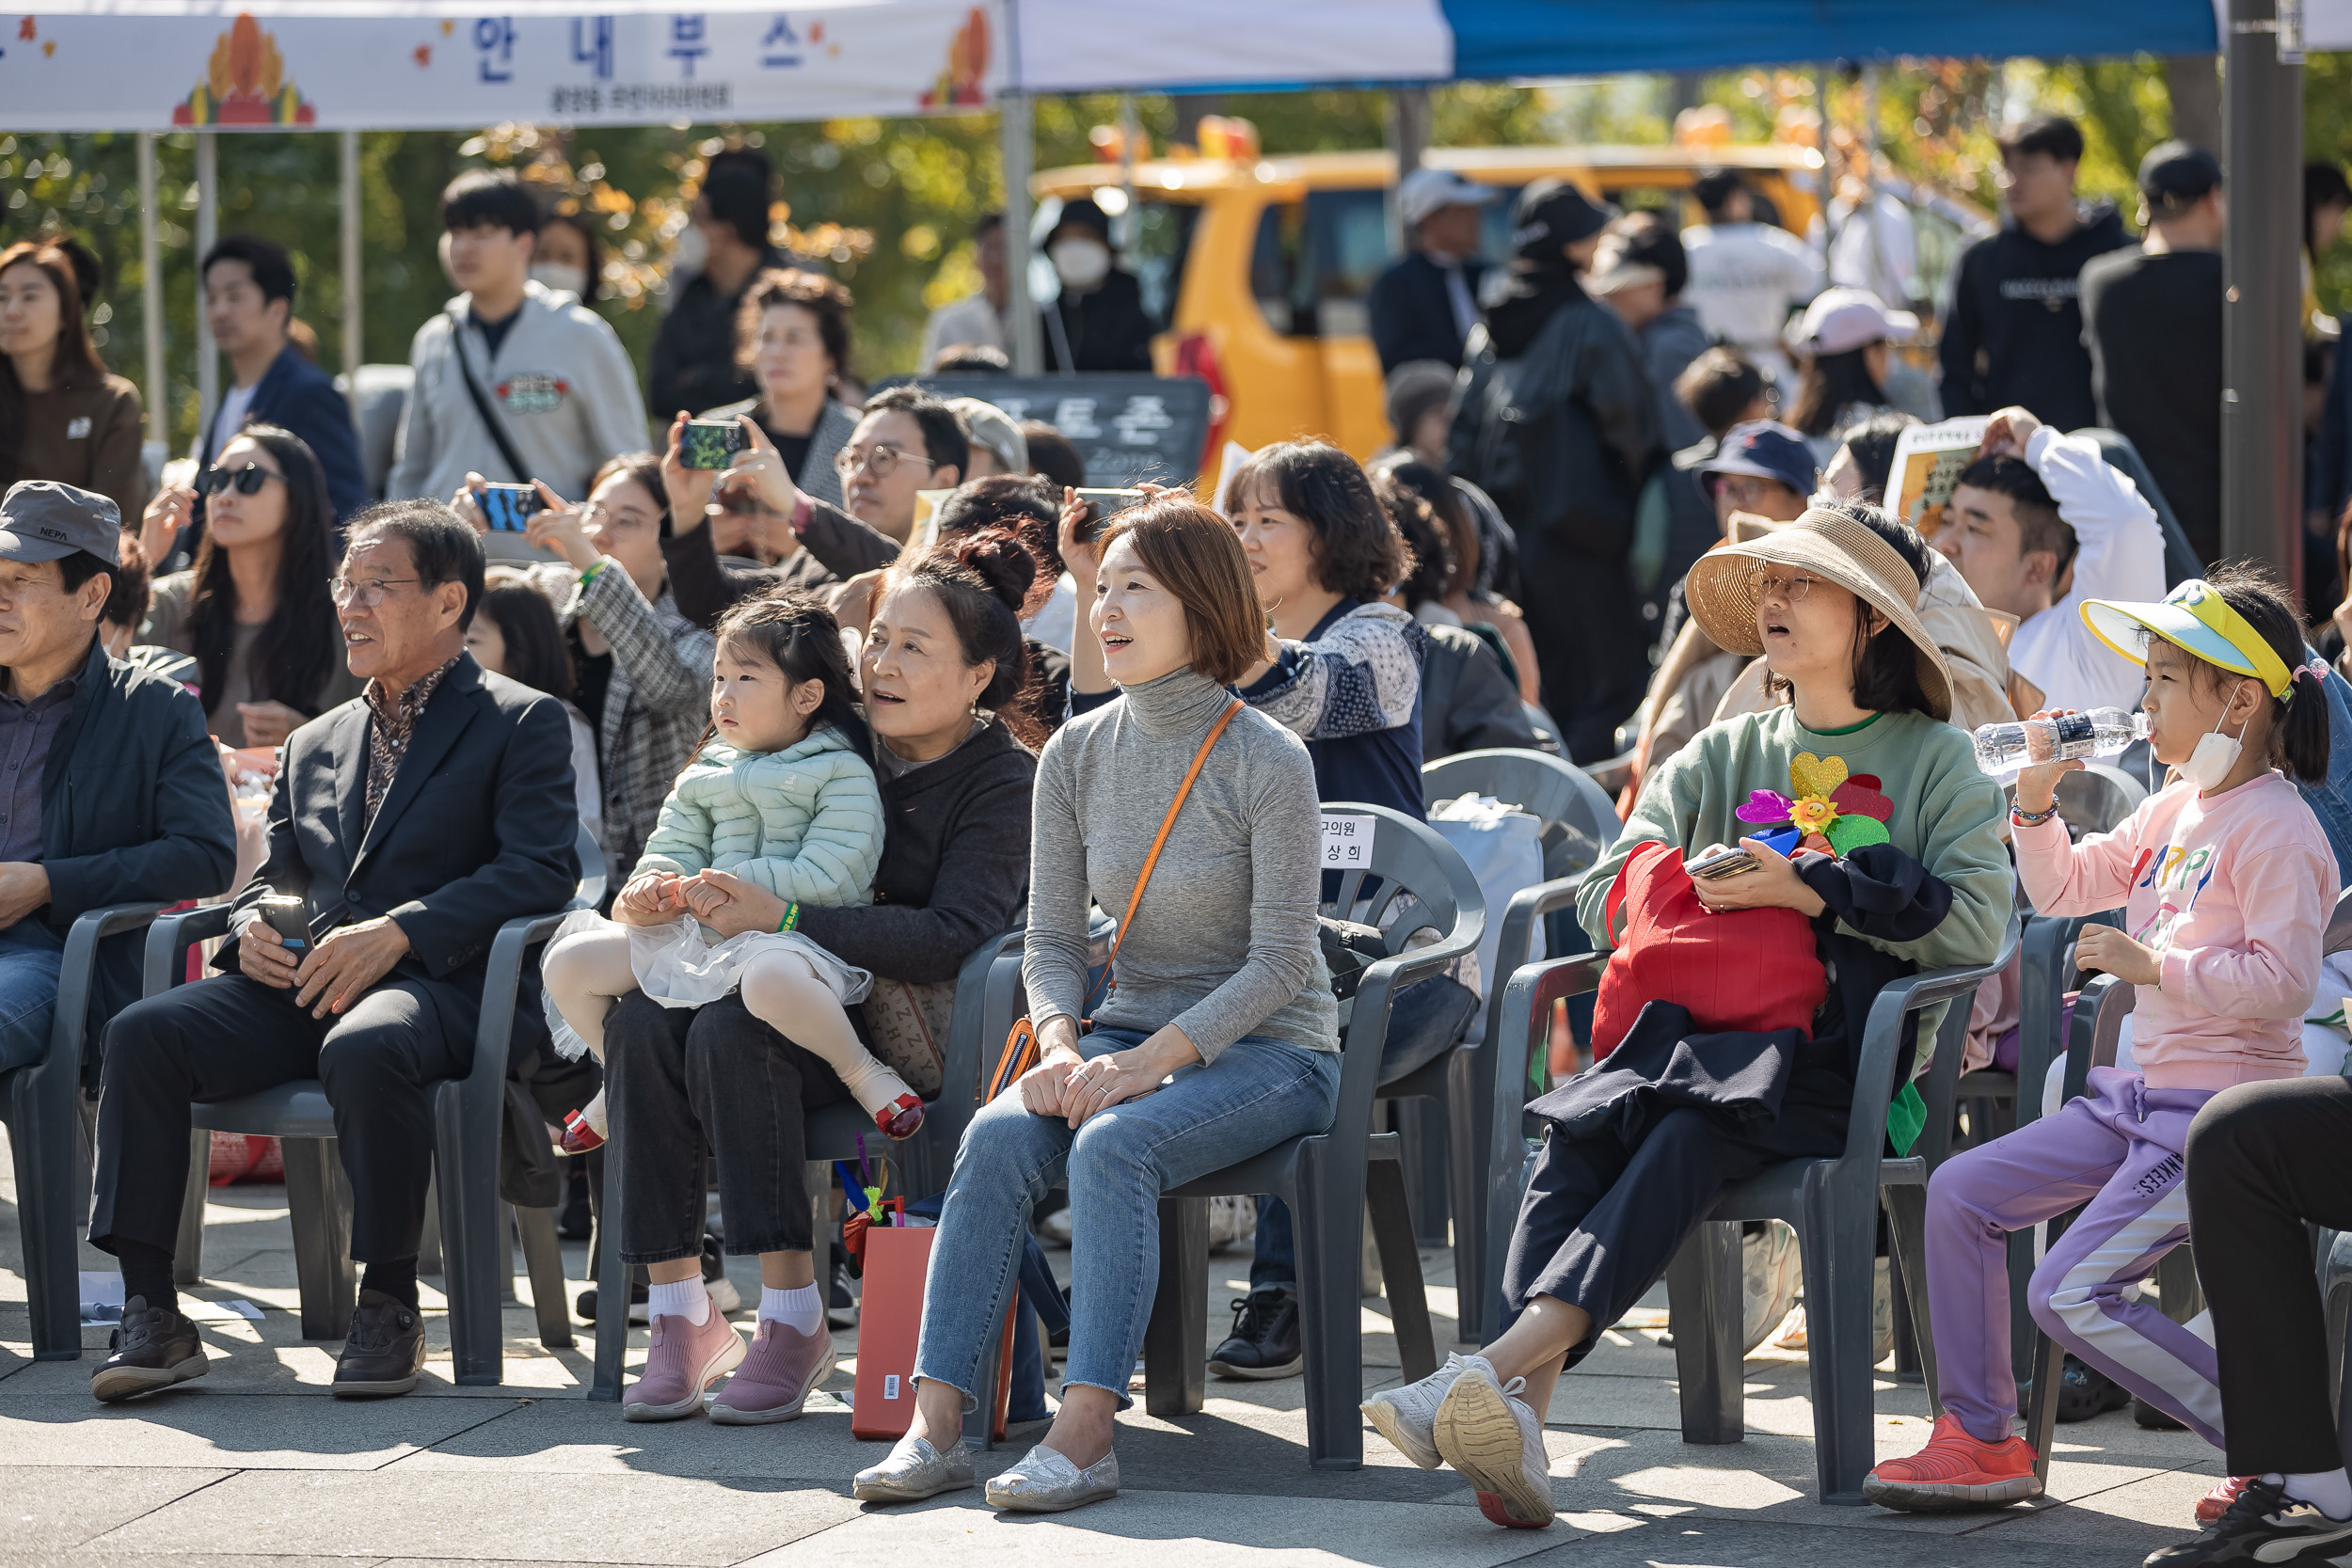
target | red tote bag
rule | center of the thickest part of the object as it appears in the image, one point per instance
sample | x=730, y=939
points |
x=1746, y=970
x=890, y=1319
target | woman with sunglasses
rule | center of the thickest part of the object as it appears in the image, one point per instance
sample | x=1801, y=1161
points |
x=254, y=609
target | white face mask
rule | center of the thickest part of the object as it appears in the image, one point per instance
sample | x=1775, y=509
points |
x=1080, y=264
x=562, y=276
x=690, y=250
x=2214, y=755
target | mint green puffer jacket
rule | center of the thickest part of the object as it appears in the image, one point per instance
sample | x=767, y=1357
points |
x=806, y=823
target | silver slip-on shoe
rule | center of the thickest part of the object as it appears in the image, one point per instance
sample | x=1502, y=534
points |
x=913, y=1471
x=1048, y=1483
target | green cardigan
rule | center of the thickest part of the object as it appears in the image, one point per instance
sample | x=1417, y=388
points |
x=1946, y=815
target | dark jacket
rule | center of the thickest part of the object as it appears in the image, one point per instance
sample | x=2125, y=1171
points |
x=1558, y=425
x=299, y=396
x=2152, y=324
x=693, y=364
x=1412, y=311
x=477, y=829
x=133, y=809
x=1467, y=700
x=1108, y=329
x=834, y=546
x=955, y=864
x=1557, y=422
x=2013, y=324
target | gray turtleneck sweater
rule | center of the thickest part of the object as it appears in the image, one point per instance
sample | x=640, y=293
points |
x=1224, y=944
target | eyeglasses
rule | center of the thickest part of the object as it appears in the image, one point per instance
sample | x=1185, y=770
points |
x=249, y=479
x=880, y=461
x=367, y=596
x=1776, y=585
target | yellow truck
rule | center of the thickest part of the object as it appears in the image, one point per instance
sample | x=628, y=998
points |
x=1257, y=269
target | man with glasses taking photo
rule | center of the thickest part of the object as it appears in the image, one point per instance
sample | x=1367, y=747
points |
x=411, y=822
x=906, y=441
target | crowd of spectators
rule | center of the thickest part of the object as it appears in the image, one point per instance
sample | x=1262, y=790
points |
x=1632, y=514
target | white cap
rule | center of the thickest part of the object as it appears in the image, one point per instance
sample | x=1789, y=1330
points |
x=1426, y=190
x=1842, y=320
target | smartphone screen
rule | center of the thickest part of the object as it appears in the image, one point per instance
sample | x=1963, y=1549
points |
x=509, y=508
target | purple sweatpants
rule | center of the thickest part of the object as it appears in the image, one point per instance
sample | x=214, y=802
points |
x=2118, y=1147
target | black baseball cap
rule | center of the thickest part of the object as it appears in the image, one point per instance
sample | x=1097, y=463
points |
x=42, y=519
x=1551, y=213
x=2176, y=174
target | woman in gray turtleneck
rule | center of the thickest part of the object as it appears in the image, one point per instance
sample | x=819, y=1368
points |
x=1220, y=983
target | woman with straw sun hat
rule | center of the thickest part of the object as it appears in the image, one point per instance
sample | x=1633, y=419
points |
x=1894, y=859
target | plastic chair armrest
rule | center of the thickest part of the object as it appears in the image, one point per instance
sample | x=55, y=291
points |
x=169, y=940
x=501, y=985
x=1874, y=1080
x=77, y=971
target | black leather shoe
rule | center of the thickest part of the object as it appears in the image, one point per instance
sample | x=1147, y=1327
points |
x=2148, y=1417
x=2085, y=1391
x=385, y=1351
x=1265, y=1342
x=155, y=1348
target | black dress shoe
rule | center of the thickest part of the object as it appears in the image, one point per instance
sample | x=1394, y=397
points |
x=384, y=1352
x=155, y=1348
x=1265, y=1342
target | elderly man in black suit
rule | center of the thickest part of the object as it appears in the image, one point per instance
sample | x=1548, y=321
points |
x=413, y=820
x=1424, y=305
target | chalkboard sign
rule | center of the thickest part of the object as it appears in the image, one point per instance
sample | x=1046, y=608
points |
x=1126, y=427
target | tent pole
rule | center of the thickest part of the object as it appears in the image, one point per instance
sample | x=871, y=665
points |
x=207, y=230
x=2261, y=410
x=1407, y=127
x=1014, y=137
x=151, y=298
x=349, y=160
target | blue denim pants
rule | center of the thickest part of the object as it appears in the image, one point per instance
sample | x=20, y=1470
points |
x=1257, y=1093
x=31, y=954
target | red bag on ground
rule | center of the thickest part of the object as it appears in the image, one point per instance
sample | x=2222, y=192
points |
x=889, y=1321
x=1744, y=970
x=246, y=1157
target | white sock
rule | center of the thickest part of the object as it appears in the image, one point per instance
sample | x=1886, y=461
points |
x=685, y=1299
x=2329, y=1491
x=799, y=1308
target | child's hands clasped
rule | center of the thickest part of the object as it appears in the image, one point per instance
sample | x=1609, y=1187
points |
x=2111, y=952
x=1773, y=885
x=652, y=899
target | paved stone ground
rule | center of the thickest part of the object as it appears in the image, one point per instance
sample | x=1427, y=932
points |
x=255, y=1465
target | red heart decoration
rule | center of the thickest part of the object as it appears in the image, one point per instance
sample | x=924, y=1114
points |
x=1868, y=781
x=1859, y=796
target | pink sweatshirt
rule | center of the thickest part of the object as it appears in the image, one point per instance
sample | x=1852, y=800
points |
x=2232, y=893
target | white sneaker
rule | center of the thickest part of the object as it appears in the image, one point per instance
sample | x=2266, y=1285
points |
x=1408, y=1417
x=724, y=1297
x=1488, y=1434
x=1054, y=1229
x=1770, y=1273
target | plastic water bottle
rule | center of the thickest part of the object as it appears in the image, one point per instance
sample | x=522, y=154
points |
x=2029, y=742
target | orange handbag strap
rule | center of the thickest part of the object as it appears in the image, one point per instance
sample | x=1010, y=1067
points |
x=1135, y=898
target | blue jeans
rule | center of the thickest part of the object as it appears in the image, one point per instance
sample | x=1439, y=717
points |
x=1425, y=1020
x=1258, y=1093
x=31, y=953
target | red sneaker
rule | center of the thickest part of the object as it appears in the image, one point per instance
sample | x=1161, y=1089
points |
x=1955, y=1472
x=2214, y=1504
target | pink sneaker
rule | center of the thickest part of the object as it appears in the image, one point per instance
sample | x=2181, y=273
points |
x=686, y=1358
x=784, y=1365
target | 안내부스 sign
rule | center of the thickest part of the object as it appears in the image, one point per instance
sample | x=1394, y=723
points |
x=161, y=65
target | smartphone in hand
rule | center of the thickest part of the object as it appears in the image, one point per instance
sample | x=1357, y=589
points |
x=290, y=917
x=509, y=508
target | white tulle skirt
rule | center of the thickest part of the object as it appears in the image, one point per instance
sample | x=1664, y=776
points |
x=679, y=966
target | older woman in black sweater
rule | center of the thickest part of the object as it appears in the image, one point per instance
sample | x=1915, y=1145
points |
x=942, y=664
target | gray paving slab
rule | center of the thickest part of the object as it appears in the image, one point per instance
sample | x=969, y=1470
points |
x=1698, y=1541
x=44, y=1508
x=1192, y=1528
x=47, y=1418
x=523, y=1519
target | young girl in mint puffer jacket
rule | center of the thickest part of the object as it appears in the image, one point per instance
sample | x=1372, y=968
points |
x=780, y=793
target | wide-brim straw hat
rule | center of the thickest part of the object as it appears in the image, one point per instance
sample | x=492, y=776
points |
x=1722, y=595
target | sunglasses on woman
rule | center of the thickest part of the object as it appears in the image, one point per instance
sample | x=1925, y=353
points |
x=249, y=479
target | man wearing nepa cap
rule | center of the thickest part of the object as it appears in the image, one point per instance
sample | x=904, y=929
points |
x=1557, y=424
x=1424, y=305
x=2152, y=319
x=110, y=791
